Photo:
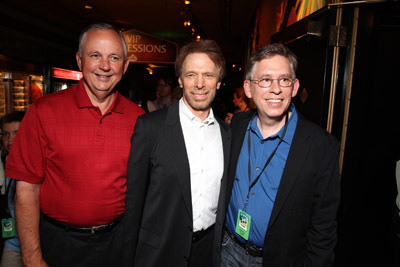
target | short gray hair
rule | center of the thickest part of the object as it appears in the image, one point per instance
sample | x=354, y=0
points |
x=268, y=52
x=100, y=26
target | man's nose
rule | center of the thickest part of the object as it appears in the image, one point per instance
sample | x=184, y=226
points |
x=199, y=82
x=275, y=87
x=105, y=64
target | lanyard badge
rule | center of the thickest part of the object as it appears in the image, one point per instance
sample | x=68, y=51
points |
x=243, y=224
x=244, y=219
x=7, y=227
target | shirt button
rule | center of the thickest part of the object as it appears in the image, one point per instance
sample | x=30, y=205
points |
x=262, y=142
x=257, y=168
x=253, y=194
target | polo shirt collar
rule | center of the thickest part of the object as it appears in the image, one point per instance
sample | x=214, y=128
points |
x=82, y=99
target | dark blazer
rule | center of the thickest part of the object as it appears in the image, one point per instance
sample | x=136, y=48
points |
x=302, y=227
x=158, y=219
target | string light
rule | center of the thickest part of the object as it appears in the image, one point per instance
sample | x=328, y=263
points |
x=150, y=71
x=190, y=21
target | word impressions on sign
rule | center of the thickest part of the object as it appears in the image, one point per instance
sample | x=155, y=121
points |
x=134, y=45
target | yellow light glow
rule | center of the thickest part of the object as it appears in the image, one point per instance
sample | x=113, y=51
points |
x=187, y=2
x=198, y=37
x=233, y=66
x=88, y=7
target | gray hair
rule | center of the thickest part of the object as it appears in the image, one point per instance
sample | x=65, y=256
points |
x=100, y=26
x=268, y=52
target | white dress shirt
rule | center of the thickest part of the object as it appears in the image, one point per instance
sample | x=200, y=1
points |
x=206, y=160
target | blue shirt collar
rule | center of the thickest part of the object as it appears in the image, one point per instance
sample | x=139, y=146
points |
x=292, y=122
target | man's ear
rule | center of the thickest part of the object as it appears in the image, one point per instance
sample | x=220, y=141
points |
x=78, y=61
x=247, y=87
x=296, y=86
x=126, y=64
x=180, y=82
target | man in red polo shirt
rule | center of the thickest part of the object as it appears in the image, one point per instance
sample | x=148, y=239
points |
x=70, y=160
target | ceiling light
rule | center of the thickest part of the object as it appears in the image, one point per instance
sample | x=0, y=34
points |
x=187, y=2
x=88, y=7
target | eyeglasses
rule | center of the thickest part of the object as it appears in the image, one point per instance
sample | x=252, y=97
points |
x=267, y=82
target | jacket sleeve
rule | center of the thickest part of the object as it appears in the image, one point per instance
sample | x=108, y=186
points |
x=137, y=183
x=321, y=233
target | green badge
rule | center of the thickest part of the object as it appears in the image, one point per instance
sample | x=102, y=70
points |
x=243, y=224
x=8, y=227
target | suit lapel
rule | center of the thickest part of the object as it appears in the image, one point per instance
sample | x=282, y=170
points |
x=226, y=142
x=226, y=145
x=178, y=154
x=297, y=155
x=238, y=133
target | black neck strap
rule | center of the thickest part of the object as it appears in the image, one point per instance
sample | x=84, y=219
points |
x=266, y=163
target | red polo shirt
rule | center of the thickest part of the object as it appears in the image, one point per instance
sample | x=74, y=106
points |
x=77, y=155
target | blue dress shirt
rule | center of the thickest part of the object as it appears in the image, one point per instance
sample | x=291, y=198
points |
x=263, y=193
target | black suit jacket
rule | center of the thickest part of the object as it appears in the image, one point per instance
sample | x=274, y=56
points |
x=302, y=227
x=158, y=219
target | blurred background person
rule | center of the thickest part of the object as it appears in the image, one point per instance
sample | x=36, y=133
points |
x=163, y=90
x=11, y=256
x=241, y=103
x=176, y=94
x=138, y=96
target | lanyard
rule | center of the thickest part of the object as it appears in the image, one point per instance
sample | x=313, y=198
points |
x=266, y=163
x=7, y=191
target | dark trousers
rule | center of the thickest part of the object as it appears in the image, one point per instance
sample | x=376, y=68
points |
x=201, y=251
x=63, y=248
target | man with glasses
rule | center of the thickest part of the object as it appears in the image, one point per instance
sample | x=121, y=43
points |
x=283, y=174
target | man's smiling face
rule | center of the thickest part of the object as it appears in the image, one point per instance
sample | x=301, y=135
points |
x=102, y=62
